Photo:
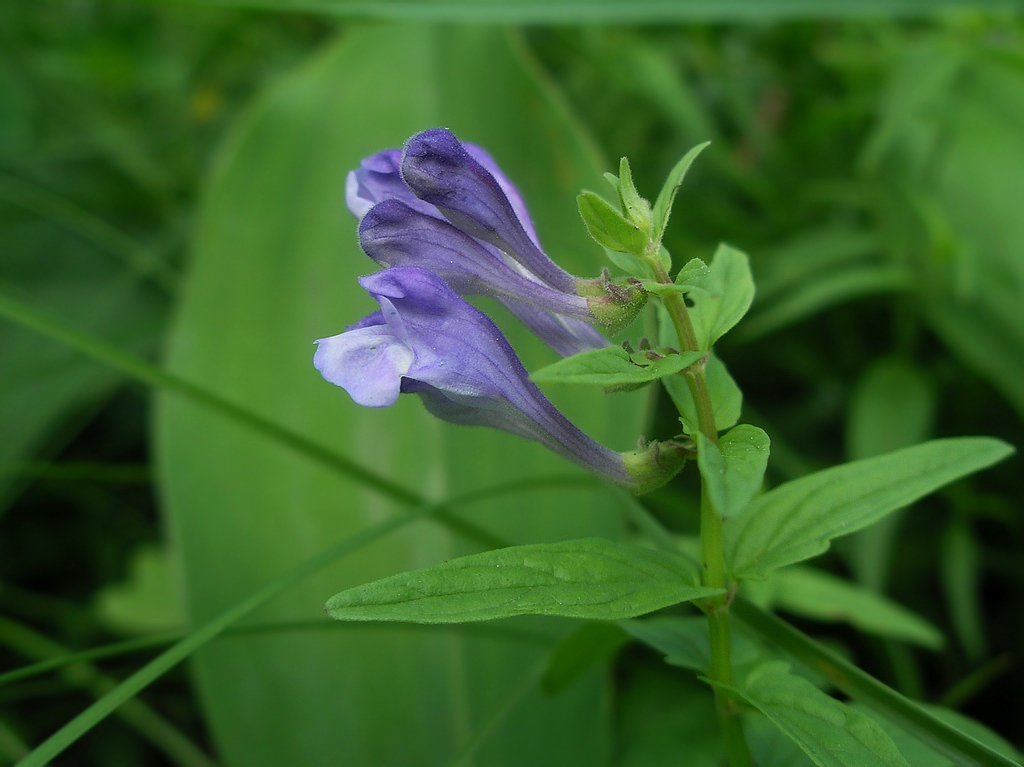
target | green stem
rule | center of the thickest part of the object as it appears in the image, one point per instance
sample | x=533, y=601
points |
x=712, y=538
x=676, y=309
x=697, y=382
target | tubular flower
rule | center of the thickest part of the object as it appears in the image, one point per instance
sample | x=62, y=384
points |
x=441, y=171
x=393, y=234
x=481, y=241
x=426, y=340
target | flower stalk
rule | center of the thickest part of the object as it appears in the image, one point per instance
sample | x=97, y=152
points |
x=712, y=536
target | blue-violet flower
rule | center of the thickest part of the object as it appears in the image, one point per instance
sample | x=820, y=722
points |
x=458, y=215
x=426, y=340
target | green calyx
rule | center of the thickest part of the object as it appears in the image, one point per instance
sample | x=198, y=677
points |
x=613, y=303
x=653, y=464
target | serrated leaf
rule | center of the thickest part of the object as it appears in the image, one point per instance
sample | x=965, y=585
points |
x=812, y=593
x=798, y=519
x=589, y=578
x=667, y=195
x=608, y=226
x=831, y=733
x=613, y=366
x=734, y=468
x=714, y=314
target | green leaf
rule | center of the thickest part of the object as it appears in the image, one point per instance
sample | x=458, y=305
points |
x=608, y=226
x=695, y=276
x=274, y=195
x=613, y=366
x=920, y=755
x=733, y=470
x=960, y=747
x=636, y=208
x=590, y=578
x=831, y=733
x=714, y=314
x=772, y=746
x=726, y=397
x=815, y=594
x=667, y=195
x=798, y=519
x=630, y=264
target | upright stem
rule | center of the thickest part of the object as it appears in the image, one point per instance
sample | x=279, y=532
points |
x=712, y=539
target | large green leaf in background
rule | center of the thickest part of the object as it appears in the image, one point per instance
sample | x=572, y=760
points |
x=274, y=268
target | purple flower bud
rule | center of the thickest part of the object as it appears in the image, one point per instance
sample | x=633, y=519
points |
x=393, y=234
x=399, y=229
x=441, y=171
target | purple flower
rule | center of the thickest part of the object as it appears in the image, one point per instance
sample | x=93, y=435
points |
x=491, y=248
x=394, y=234
x=426, y=340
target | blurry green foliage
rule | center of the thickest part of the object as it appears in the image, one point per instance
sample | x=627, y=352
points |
x=870, y=168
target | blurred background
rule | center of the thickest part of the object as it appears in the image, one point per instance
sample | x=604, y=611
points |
x=171, y=184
